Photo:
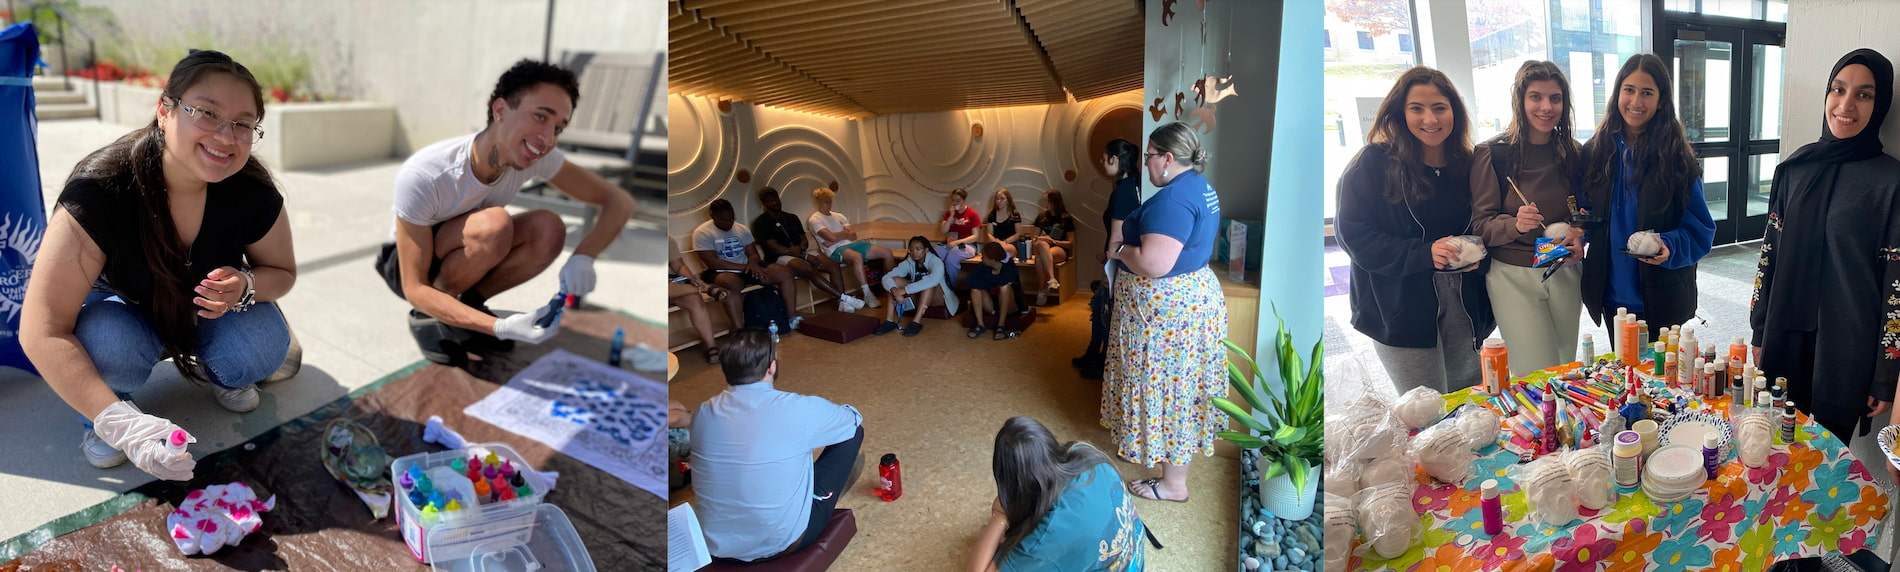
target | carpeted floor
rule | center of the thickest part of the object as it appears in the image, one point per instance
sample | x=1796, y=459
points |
x=937, y=400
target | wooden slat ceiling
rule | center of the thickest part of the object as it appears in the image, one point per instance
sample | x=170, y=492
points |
x=859, y=58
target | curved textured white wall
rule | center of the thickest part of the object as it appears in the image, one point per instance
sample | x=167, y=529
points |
x=891, y=167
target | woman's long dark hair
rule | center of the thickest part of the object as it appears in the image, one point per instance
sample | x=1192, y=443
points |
x=1057, y=209
x=1405, y=173
x=1032, y=470
x=1518, y=134
x=132, y=170
x=1127, y=158
x=1662, y=154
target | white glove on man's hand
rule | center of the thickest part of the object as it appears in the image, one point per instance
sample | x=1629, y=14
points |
x=521, y=327
x=577, y=276
x=142, y=438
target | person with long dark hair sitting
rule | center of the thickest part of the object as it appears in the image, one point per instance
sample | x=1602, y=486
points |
x=1059, y=507
x=170, y=243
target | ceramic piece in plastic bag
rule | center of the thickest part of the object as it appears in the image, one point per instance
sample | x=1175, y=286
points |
x=1444, y=452
x=1548, y=489
x=1420, y=408
x=1342, y=526
x=1589, y=470
x=1387, y=523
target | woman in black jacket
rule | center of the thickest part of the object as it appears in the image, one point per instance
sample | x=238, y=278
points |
x=1400, y=202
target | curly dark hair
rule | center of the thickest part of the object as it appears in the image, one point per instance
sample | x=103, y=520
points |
x=526, y=74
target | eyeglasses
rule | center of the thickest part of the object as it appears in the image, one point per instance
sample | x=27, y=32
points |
x=1146, y=156
x=208, y=120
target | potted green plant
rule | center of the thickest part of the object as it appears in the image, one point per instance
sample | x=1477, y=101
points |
x=1291, y=440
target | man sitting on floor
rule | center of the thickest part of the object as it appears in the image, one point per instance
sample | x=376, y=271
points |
x=455, y=245
x=757, y=490
x=733, y=262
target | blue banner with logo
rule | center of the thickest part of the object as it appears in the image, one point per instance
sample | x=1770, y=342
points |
x=22, y=209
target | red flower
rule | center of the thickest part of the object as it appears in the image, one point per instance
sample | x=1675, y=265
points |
x=1501, y=549
x=1719, y=518
x=1431, y=497
x=1853, y=541
x=1583, y=550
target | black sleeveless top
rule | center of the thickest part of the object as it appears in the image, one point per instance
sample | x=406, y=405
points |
x=238, y=212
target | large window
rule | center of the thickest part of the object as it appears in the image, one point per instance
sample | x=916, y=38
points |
x=1770, y=10
x=1355, y=80
x=1588, y=42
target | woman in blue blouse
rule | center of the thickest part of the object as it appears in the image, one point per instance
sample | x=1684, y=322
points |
x=1165, y=359
x=1059, y=507
x=1640, y=167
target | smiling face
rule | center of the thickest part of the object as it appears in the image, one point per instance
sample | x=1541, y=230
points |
x=199, y=153
x=1637, y=99
x=1850, y=101
x=1544, y=105
x=1428, y=114
x=527, y=131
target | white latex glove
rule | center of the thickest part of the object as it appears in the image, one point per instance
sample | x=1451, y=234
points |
x=142, y=438
x=577, y=276
x=521, y=328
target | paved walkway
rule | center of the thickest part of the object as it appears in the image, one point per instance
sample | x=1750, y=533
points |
x=352, y=329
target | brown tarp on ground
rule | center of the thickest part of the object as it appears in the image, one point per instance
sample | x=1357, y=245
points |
x=319, y=524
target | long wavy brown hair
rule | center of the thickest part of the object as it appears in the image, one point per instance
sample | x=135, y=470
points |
x=132, y=170
x=1032, y=470
x=1664, y=160
x=1405, y=173
x=1518, y=133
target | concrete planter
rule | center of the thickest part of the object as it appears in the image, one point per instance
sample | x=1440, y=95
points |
x=296, y=135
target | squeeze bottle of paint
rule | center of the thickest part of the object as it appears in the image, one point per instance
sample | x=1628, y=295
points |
x=1685, y=355
x=1589, y=350
x=1762, y=397
x=890, y=484
x=177, y=441
x=1642, y=336
x=1708, y=352
x=1669, y=368
x=1627, y=464
x=1711, y=454
x=1696, y=378
x=1496, y=360
x=1493, y=507
x=1670, y=342
x=1738, y=393
x=1738, y=351
x=1627, y=345
x=1721, y=372
x=619, y=343
x=1656, y=353
x=1787, y=423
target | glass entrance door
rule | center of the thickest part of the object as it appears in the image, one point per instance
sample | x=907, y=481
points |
x=1728, y=95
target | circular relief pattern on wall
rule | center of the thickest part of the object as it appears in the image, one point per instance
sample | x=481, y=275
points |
x=744, y=176
x=1118, y=123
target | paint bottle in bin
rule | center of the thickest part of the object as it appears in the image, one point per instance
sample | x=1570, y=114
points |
x=890, y=478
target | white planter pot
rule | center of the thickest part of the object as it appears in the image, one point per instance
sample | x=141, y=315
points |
x=1278, y=496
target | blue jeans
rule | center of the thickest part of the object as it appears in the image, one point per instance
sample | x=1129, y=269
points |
x=953, y=257
x=237, y=349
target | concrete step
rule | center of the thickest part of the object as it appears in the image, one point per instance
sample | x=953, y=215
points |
x=48, y=82
x=57, y=97
x=64, y=111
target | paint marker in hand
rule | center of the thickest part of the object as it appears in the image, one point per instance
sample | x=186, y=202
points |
x=553, y=316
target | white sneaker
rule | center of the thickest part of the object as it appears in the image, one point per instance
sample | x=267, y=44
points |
x=849, y=303
x=1054, y=285
x=795, y=322
x=240, y=400
x=871, y=301
x=98, y=453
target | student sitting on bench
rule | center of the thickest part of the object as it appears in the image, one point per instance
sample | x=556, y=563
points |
x=913, y=284
x=994, y=284
x=683, y=290
x=782, y=236
x=1055, y=239
x=839, y=241
x=732, y=262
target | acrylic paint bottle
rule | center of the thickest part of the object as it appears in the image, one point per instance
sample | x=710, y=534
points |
x=1720, y=377
x=1642, y=336
x=1737, y=351
x=1627, y=464
x=1761, y=393
x=1787, y=423
x=1656, y=353
x=1696, y=378
x=1685, y=356
x=1711, y=453
x=1708, y=352
x=1669, y=368
x=1493, y=507
x=1589, y=350
x=1496, y=366
x=890, y=478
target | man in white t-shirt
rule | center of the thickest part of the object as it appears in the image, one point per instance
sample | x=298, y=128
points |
x=455, y=245
x=840, y=242
x=733, y=261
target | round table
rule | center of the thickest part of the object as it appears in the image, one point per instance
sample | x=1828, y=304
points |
x=672, y=366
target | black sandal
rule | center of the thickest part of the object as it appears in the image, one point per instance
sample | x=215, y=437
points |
x=1002, y=334
x=977, y=332
x=712, y=356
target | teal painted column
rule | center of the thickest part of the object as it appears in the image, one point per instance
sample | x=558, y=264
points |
x=1293, y=255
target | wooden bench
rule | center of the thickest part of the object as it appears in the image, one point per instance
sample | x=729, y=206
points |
x=898, y=233
x=680, y=334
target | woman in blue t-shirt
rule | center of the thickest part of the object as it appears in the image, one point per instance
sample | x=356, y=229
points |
x=1059, y=507
x=1165, y=354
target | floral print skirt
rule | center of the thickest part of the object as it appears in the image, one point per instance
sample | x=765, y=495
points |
x=1165, y=365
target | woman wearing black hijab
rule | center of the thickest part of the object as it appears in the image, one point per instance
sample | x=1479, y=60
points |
x=1826, y=311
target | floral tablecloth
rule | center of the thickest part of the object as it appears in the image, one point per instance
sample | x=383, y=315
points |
x=1813, y=498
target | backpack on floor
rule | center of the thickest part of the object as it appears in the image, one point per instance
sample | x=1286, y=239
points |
x=765, y=306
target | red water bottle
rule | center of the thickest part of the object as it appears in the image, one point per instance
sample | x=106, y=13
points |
x=890, y=477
